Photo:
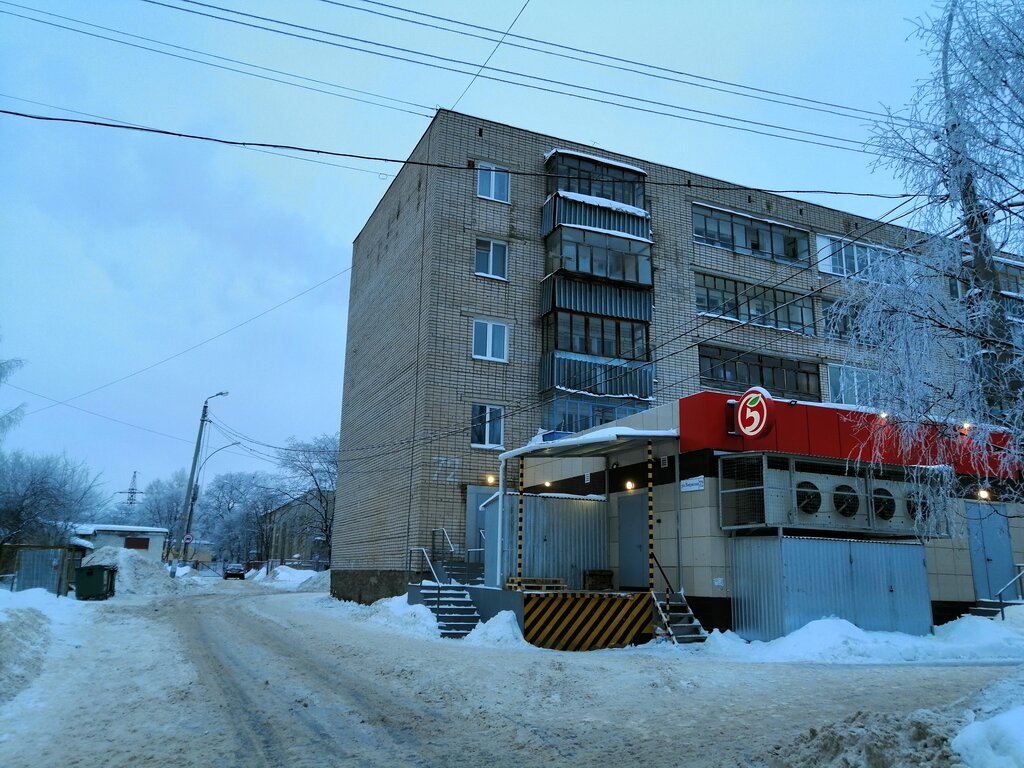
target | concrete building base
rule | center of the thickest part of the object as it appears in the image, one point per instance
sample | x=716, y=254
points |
x=367, y=586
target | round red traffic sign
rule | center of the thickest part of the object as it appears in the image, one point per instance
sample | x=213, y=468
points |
x=188, y=539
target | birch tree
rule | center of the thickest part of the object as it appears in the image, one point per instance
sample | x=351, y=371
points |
x=311, y=470
x=938, y=317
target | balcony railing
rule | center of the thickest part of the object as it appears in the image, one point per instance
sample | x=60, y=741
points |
x=573, y=372
x=606, y=216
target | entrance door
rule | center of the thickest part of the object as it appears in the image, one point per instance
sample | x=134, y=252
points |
x=633, y=541
x=991, y=552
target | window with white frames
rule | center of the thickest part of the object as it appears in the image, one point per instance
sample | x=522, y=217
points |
x=851, y=386
x=486, y=430
x=491, y=258
x=490, y=340
x=842, y=257
x=492, y=182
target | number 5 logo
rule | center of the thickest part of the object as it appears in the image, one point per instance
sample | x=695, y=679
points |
x=753, y=413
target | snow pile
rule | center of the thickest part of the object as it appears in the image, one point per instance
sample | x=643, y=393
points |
x=285, y=575
x=136, y=574
x=319, y=582
x=868, y=739
x=394, y=613
x=500, y=631
x=259, y=575
x=969, y=638
x=994, y=743
x=27, y=622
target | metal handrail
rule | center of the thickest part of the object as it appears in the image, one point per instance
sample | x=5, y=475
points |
x=999, y=594
x=451, y=547
x=668, y=584
x=426, y=557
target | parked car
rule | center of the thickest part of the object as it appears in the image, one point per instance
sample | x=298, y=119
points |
x=234, y=571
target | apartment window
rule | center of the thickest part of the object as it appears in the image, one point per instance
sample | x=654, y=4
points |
x=492, y=182
x=851, y=386
x=486, y=431
x=1011, y=277
x=491, y=258
x=490, y=340
x=599, y=336
x=566, y=414
x=595, y=253
x=748, y=303
x=729, y=369
x=766, y=240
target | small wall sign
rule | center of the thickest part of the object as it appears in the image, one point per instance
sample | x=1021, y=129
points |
x=691, y=484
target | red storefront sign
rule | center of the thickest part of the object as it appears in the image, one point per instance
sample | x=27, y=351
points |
x=714, y=420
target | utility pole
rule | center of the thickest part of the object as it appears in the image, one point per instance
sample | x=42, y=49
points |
x=190, y=489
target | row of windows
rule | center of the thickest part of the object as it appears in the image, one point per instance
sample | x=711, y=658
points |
x=761, y=306
x=590, y=335
x=595, y=253
x=842, y=257
x=750, y=236
x=789, y=379
x=566, y=414
x=590, y=177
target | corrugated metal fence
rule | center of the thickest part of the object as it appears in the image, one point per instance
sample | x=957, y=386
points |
x=782, y=583
x=40, y=568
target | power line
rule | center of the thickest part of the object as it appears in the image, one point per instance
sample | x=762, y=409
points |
x=491, y=54
x=859, y=148
x=151, y=366
x=425, y=164
x=755, y=93
x=211, y=64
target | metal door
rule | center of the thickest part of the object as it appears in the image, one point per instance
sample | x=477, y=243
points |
x=475, y=521
x=633, y=540
x=991, y=553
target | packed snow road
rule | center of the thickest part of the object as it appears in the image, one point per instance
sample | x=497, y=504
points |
x=251, y=677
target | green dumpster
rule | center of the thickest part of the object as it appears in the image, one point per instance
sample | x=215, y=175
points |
x=94, y=582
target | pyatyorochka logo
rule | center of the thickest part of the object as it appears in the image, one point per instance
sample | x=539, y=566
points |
x=754, y=413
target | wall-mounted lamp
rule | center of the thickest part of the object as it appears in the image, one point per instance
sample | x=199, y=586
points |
x=629, y=485
x=984, y=494
x=491, y=479
x=547, y=483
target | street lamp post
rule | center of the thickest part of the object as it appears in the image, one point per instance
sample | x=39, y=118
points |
x=186, y=508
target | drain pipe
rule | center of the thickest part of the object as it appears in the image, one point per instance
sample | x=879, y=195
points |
x=500, y=571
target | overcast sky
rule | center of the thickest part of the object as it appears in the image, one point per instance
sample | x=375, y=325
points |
x=121, y=252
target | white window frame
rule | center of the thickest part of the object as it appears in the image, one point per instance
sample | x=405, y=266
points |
x=494, y=425
x=831, y=252
x=491, y=273
x=487, y=327
x=850, y=380
x=486, y=188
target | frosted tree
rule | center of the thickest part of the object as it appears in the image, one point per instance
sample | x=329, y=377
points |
x=937, y=316
x=311, y=471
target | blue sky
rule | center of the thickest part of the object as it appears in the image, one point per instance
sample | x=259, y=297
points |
x=118, y=250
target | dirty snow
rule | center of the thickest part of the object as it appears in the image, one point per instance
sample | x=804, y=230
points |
x=568, y=705
x=136, y=574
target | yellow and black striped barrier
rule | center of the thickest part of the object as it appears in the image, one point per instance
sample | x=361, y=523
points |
x=585, y=621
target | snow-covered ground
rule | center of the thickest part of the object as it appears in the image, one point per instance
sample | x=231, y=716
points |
x=338, y=675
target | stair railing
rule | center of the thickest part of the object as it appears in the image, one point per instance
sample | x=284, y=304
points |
x=999, y=595
x=483, y=539
x=424, y=561
x=668, y=584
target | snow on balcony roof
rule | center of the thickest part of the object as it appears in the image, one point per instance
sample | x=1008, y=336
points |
x=595, y=158
x=604, y=202
x=74, y=541
x=567, y=446
x=91, y=529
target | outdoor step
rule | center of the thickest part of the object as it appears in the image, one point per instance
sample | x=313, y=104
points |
x=984, y=611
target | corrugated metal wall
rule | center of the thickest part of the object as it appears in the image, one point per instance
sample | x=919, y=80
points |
x=560, y=210
x=562, y=538
x=599, y=376
x=39, y=568
x=781, y=584
x=594, y=298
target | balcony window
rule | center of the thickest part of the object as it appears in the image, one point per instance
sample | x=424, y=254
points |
x=589, y=176
x=764, y=239
x=736, y=371
x=492, y=182
x=851, y=386
x=598, y=254
x=748, y=303
x=598, y=336
x=568, y=414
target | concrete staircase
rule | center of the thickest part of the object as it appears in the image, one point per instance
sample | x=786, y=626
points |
x=676, y=618
x=451, y=604
x=992, y=609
